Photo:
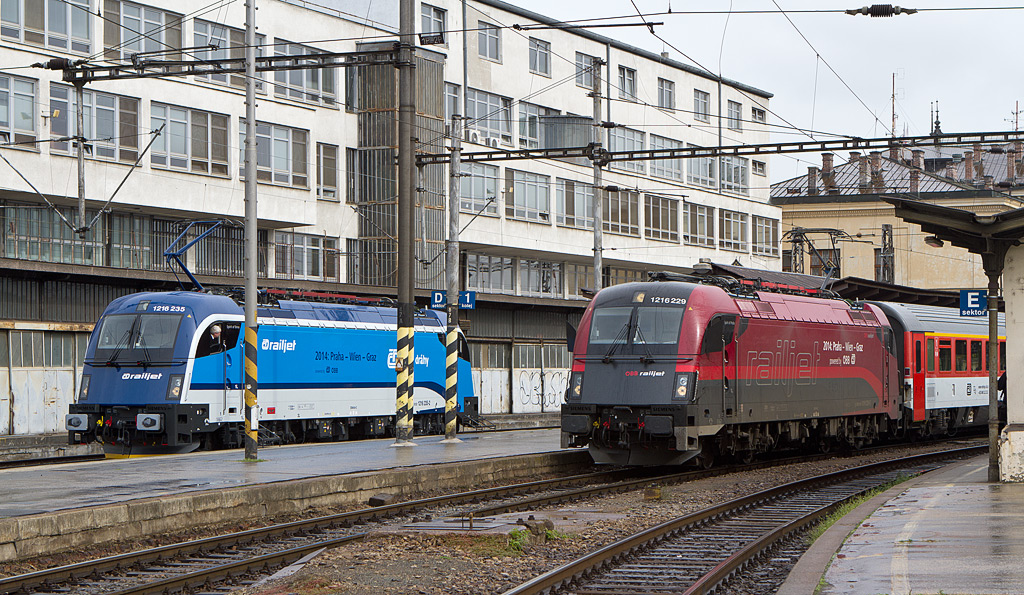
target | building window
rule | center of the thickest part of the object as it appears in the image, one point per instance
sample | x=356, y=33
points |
x=825, y=263
x=698, y=224
x=529, y=199
x=758, y=115
x=489, y=37
x=434, y=20
x=130, y=242
x=530, y=130
x=302, y=256
x=111, y=123
x=735, y=176
x=734, y=115
x=701, y=105
x=34, y=233
x=766, y=236
x=131, y=28
x=670, y=169
x=230, y=43
x=732, y=230
x=759, y=168
x=662, y=217
x=622, y=213
x=577, y=278
x=327, y=171
x=540, y=278
x=192, y=140
x=63, y=25
x=627, y=83
x=490, y=115
x=575, y=206
x=626, y=139
x=584, y=70
x=700, y=171
x=452, y=100
x=616, y=276
x=492, y=274
x=315, y=85
x=479, y=189
x=17, y=110
x=540, y=57
x=370, y=175
x=666, y=94
x=280, y=154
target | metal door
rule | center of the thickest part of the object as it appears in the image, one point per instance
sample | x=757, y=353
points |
x=917, y=368
x=730, y=367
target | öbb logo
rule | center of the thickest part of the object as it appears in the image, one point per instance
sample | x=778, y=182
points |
x=632, y=373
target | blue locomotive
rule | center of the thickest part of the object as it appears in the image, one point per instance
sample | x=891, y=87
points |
x=163, y=373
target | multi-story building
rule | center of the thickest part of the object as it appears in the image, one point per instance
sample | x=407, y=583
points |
x=327, y=178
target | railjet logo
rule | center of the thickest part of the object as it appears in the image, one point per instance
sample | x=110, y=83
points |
x=142, y=376
x=421, y=360
x=279, y=345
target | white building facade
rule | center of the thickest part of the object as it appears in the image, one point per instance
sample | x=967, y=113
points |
x=326, y=177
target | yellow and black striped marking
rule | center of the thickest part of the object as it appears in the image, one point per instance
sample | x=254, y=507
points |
x=403, y=430
x=451, y=382
x=251, y=424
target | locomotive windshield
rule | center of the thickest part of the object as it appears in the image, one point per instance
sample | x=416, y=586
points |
x=641, y=325
x=137, y=338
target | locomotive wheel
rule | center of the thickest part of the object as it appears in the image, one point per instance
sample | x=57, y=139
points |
x=706, y=458
x=825, y=445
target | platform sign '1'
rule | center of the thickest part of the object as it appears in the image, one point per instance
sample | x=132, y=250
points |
x=973, y=302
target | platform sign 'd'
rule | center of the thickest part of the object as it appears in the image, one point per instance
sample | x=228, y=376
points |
x=439, y=299
x=973, y=302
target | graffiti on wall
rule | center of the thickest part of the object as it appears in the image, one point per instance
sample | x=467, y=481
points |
x=537, y=391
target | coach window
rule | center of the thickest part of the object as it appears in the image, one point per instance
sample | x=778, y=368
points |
x=1002, y=356
x=961, y=355
x=945, y=355
x=917, y=356
x=977, y=364
x=931, y=355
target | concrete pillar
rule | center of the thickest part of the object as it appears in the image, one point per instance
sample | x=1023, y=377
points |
x=1011, y=440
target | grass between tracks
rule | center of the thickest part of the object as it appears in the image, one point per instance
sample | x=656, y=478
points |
x=850, y=504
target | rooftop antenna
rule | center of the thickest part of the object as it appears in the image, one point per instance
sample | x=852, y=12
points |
x=937, y=129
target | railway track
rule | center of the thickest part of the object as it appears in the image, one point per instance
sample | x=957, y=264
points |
x=226, y=558
x=698, y=553
x=35, y=462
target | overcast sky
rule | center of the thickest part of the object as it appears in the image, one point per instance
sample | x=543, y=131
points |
x=966, y=60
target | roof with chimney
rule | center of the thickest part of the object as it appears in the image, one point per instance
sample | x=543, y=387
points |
x=980, y=171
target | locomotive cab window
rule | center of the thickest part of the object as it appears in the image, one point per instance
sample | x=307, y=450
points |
x=218, y=337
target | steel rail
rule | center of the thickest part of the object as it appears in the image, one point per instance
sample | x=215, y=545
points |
x=611, y=554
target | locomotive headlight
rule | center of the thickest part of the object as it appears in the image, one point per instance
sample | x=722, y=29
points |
x=174, y=385
x=576, y=387
x=683, y=387
x=83, y=390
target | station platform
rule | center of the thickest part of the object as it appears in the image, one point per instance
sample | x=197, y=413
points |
x=948, y=531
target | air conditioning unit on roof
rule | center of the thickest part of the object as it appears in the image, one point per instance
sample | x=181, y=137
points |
x=493, y=141
x=475, y=137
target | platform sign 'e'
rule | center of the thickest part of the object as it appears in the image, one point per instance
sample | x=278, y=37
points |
x=438, y=299
x=973, y=302
x=467, y=300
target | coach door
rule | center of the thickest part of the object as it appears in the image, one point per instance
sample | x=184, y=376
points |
x=919, y=354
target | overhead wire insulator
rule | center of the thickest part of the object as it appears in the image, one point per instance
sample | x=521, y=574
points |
x=881, y=10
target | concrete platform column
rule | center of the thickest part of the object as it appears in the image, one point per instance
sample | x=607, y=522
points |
x=1011, y=440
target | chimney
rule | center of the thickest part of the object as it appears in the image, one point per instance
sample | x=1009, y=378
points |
x=1011, y=165
x=876, y=171
x=988, y=183
x=664, y=55
x=915, y=180
x=828, y=176
x=951, y=171
x=918, y=158
x=969, y=167
x=1018, y=146
x=979, y=161
x=862, y=175
x=894, y=152
x=812, y=181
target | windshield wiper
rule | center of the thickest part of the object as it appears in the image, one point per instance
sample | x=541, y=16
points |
x=648, y=357
x=623, y=334
x=126, y=339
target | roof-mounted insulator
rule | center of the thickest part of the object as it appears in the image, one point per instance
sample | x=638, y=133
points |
x=881, y=10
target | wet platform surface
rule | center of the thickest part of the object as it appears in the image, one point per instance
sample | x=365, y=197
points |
x=44, y=489
x=950, y=532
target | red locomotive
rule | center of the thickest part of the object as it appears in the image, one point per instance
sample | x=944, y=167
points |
x=670, y=371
